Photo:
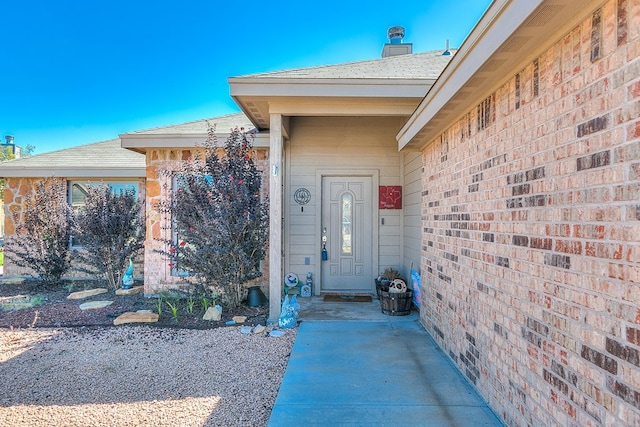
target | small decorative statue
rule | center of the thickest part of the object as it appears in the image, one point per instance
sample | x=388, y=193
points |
x=289, y=314
x=127, y=278
x=305, y=291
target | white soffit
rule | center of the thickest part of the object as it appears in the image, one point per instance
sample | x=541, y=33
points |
x=257, y=98
x=508, y=35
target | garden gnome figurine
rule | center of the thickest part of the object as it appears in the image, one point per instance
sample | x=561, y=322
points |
x=127, y=278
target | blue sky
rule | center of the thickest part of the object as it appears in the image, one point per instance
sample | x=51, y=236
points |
x=76, y=72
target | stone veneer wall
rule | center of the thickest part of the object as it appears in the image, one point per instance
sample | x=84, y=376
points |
x=531, y=233
x=157, y=272
x=15, y=191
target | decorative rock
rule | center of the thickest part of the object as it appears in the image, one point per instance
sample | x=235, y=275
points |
x=259, y=329
x=144, y=311
x=11, y=280
x=276, y=333
x=131, y=317
x=239, y=319
x=212, y=314
x=86, y=294
x=94, y=304
x=131, y=291
x=245, y=329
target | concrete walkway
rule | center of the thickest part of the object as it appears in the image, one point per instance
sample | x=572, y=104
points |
x=381, y=371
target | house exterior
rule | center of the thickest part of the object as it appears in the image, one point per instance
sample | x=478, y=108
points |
x=507, y=174
x=78, y=167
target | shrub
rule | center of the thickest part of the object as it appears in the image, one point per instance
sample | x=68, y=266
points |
x=221, y=225
x=43, y=232
x=110, y=228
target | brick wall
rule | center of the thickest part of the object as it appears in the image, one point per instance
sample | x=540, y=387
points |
x=531, y=232
x=157, y=271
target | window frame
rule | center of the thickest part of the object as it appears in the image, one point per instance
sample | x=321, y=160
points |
x=135, y=184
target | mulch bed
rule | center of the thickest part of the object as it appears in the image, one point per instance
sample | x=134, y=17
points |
x=58, y=311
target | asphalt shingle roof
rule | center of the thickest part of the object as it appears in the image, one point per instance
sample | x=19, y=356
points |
x=105, y=155
x=426, y=65
x=222, y=123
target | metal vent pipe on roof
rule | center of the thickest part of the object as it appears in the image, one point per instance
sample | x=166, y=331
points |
x=447, y=51
x=395, y=34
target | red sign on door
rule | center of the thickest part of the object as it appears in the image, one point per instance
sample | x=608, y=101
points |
x=390, y=197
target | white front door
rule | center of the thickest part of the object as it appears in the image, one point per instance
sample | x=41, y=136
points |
x=347, y=227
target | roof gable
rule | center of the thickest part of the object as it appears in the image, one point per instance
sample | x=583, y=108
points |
x=190, y=134
x=200, y=127
x=379, y=87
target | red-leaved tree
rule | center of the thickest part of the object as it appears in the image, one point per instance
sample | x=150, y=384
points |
x=110, y=228
x=220, y=222
x=41, y=243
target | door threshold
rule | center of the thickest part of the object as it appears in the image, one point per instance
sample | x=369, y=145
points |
x=347, y=294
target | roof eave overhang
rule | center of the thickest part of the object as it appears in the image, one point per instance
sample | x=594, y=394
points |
x=259, y=97
x=372, y=88
x=510, y=34
x=142, y=142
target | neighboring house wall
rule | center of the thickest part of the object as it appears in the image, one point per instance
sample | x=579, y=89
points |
x=346, y=144
x=158, y=271
x=530, y=251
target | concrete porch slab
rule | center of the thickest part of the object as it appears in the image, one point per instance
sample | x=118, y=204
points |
x=374, y=372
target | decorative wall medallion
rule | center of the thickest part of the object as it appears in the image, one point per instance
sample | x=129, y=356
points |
x=302, y=196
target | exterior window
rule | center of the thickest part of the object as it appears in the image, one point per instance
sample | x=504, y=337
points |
x=78, y=190
x=347, y=220
x=78, y=195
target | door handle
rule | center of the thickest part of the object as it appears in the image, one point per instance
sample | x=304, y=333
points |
x=325, y=255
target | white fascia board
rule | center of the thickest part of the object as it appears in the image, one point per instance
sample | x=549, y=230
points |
x=69, y=172
x=494, y=28
x=359, y=88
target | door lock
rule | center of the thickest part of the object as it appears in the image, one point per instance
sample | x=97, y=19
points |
x=325, y=255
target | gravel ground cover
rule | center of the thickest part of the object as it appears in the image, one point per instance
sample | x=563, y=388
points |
x=139, y=376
